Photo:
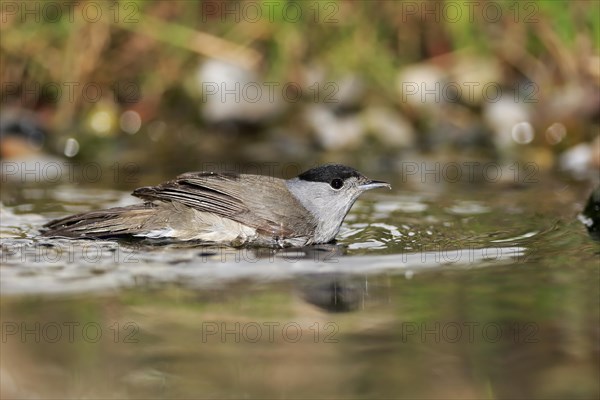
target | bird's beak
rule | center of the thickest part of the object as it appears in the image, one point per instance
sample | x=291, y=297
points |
x=368, y=185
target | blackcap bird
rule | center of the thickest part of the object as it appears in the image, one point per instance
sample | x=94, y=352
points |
x=229, y=208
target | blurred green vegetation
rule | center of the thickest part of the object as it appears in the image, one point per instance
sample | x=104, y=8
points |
x=147, y=57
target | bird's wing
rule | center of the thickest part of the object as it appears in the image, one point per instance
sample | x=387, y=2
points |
x=256, y=202
x=203, y=191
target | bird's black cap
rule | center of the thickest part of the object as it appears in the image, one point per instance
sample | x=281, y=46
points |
x=327, y=173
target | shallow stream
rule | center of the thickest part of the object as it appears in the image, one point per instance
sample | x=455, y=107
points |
x=468, y=291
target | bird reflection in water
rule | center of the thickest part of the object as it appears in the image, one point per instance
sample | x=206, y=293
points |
x=332, y=292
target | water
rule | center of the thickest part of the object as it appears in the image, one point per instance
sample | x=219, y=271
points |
x=487, y=291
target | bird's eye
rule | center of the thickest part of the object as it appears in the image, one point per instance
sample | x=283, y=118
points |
x=337, y=183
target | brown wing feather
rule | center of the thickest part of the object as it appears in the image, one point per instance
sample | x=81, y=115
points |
x=256, y=202
x=204, y=191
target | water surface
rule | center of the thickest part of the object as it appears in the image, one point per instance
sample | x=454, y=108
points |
x=487, y=291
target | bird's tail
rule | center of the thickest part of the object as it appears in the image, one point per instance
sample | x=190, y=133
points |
x=109, y=223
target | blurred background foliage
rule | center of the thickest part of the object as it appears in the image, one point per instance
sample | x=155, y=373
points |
x=366, y=83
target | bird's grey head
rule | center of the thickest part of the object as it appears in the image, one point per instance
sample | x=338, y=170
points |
x=328, y=192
